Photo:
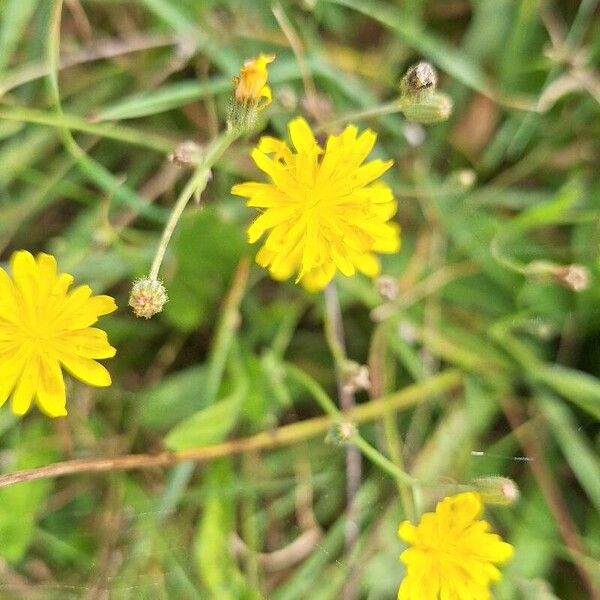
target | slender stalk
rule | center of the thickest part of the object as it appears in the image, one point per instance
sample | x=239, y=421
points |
x=334, y=332
x=377, y=372
x=195, y=186
x=283, y=436
x=329, y=407
x=121, y=133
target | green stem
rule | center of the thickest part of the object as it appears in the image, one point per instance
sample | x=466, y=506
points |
x=195, y=185
x=72, y=122
x=383, y=462
x=329, y=407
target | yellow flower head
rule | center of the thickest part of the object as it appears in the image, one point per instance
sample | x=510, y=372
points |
x=452, y=554
x=44, y=327
x=322, y=210
x=251, y=84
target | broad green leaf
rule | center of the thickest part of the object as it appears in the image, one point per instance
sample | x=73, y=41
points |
x=20, y=503
x=174, y=398
x=212, y=549
x=207, y=249
x=206, y=427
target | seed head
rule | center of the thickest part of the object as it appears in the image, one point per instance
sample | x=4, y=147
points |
x=147, y=297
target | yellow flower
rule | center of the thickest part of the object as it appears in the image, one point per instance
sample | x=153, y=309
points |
x=251, y=84
x=452, y=554
x=322, y=210
x=44, y=327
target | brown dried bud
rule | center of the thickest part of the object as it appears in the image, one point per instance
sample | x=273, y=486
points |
x=419, y=77
x=147, y=297
x=574, y=277
x=186, y=154
x=387, y=287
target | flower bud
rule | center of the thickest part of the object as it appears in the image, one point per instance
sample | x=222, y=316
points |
x=341, y=433
x=147, y=297
x=574, y=277
x=496, y=490
x=251, y=93
x=427, y=109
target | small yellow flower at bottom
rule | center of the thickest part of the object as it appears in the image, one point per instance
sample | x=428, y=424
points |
x=452, y=554
x=323, y=210
x=44, y=327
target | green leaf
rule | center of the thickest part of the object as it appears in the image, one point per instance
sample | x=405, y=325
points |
x=15, y=16
x=208, y=249
x=207, y=426
x=217, y=567
x=454, y=62
x=578, y=387
x=21, y=502
x=581, y=457
x=174, y=398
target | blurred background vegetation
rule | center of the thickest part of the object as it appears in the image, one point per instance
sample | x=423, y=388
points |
x=510, y=179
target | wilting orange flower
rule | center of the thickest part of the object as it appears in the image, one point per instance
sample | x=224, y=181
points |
x=452, y=554
x=251, y=84
x=323, y=209
x=44, y=327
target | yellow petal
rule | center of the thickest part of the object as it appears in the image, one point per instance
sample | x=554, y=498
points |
x=86, y=370
x=51, y=395
x=11, y=366
x=88, y=343
x=26, y=386
x=302, y=136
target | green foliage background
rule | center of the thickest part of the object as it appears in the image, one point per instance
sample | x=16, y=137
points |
x=499, y=185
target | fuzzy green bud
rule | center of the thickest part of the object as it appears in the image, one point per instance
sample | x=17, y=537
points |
x=426, y=109
x=147, y=297
x=496, y=490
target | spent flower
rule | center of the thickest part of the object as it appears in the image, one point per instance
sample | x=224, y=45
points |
x=45, y=328
x=147, y=297
x=420, y=101
x=452, y=554
x=323, y=210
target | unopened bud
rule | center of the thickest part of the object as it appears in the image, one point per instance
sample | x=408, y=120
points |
x=147, y=297
x=496, y=490
x=573, y=277
x=341, y=433
x=251, y=93
x=355, y=377
x=431, y=108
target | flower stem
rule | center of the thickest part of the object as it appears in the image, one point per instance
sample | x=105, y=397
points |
x=195, y=186
x=334, y=332
x=283, y=436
